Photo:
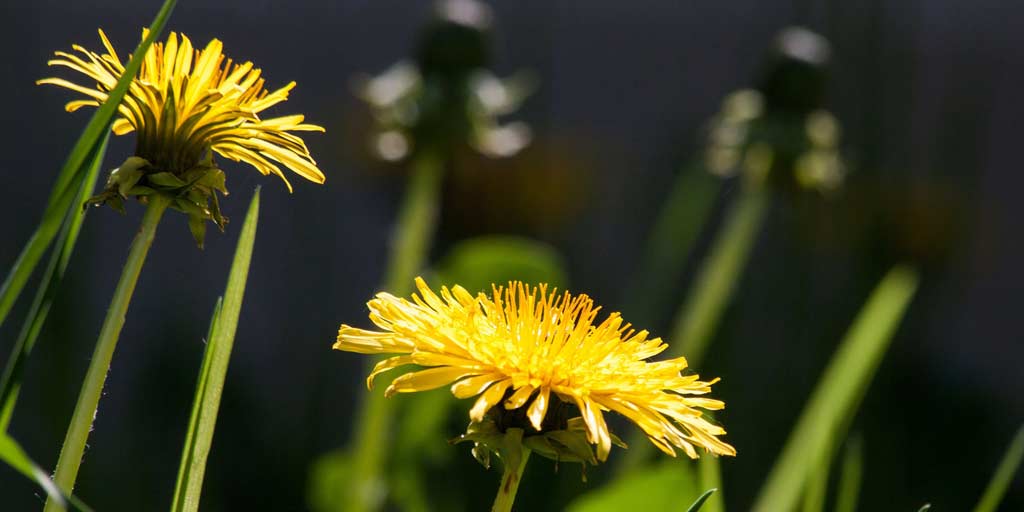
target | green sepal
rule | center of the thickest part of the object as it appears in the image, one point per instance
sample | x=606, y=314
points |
x=193, y=192
x=486, y=439
x=197, y=225
x=127, y=175
x=165, y=180
x=568, y=445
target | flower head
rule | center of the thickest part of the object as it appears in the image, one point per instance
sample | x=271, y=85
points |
x=187, y=101
x=185, y=104
x=529, y=353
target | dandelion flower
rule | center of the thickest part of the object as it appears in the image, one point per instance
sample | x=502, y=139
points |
x=529, y=351
x=186, y=101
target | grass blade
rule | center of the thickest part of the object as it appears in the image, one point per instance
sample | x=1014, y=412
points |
x=197, y=405
x=15, y=457
x=850, y=475
x=74, y=170
x=48, y=286
x=925, y=508
x=1003, y=476
x=839, y=391
x=215, y=366
x=700, y=501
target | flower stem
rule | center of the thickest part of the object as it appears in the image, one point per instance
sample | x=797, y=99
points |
x=510, y=480
x=89, y=396
x=414, y=229
x=717, y=278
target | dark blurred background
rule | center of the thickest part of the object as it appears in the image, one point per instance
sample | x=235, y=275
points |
x=927, y=94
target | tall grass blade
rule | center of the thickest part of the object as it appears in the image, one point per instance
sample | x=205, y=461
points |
x=10, y=385
x=74, y=170
x=210, y=385
x=1003, y=476
x=850, y=475
x=839, y=391
x=15, y=457
x=188, y=450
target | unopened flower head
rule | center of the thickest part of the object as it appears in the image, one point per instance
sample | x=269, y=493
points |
x=187, y=101
x=530, y=351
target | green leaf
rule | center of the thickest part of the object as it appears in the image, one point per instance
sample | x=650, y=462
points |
x=700, y=501
x=188, y=450
x=74, y=170
x=925, y=508
x=660, y=486
x=1003, y=476
x=210, y=384
x=850, y=475
x=477, y=263
x=46, y=292
x=839, y=391
x=15, y=457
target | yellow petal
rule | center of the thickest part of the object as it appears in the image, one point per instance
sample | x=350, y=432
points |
x=428, y=379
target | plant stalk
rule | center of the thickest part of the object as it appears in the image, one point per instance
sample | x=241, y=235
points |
x=417, y=221
x=717, y=278
x=88, y=399
x=510, y=480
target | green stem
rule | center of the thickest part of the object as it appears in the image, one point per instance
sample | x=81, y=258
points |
x=416, y=224
x=700, y=312
x=510, y=480
x=88, y=399
x=671, y=241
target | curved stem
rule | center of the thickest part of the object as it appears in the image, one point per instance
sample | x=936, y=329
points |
x=510, y=480
x=88, y=398
x=415, y=227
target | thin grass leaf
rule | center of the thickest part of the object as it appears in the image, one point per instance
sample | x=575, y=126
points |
x=197, y=404
x=47, y=291
x=15, y=457
x=850, y=475
x=74, y=170
x=839, y=391
x=925, y=508
x=1003, y=476
x=709, y=468
x=215, y=366
x=700, y=501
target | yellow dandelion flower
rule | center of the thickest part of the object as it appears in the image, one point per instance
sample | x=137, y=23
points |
x=187, y=101
x=528, y=349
